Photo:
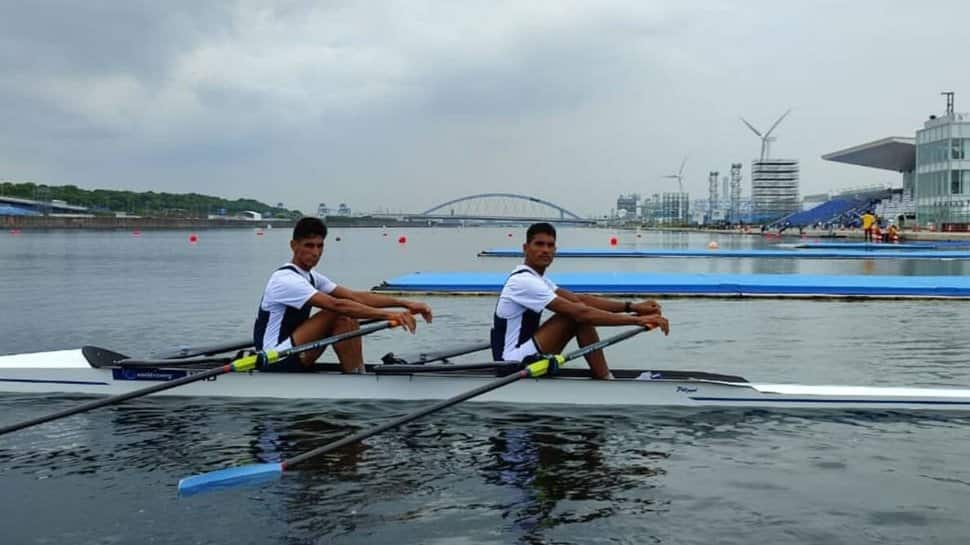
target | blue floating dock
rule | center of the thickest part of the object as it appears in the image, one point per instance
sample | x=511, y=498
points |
x=869, y=246
x=834, y=253
x=692, y=285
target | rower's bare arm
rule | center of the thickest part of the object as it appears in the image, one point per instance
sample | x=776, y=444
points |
x=349, y=307
x=378, y=300
x=585, y=314
x=642, y=308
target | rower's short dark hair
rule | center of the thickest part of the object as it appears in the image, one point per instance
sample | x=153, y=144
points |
x=308, y=227
x=539, y=228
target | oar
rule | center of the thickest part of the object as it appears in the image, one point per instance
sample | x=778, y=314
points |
x=247, y=363
x=192, y=351
x=211, y=350
x=442, y=355
x=236, y=476
x=446, y=368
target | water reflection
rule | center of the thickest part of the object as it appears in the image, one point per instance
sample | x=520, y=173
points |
x=567, y=477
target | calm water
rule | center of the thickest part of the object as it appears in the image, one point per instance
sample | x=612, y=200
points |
x=477, y=474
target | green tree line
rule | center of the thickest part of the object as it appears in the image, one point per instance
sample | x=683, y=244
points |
x=146, y=203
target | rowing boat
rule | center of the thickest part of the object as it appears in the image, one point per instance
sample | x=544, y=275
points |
x=96, y=371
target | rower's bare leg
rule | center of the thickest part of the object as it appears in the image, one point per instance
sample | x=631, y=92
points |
x=349, y=352
x=556, y=332
x=327, y=324
x=586, y=335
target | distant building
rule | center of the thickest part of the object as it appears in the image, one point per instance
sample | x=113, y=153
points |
x=250, y=215
x=674, y=209
x=626, y=205
x=943, y=171
x=280, y=205
x=774, y=188
x=935, y=169
x=322, y=210
x=32, y=207
x=343, y=210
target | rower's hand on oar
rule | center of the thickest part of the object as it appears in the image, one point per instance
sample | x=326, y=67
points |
x=645, y=308
x=416, y=307
x=404, y=319
x=653, y=322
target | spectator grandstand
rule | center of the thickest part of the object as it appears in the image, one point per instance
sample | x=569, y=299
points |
x=845, y=209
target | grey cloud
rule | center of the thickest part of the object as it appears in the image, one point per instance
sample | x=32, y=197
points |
x=401, y=105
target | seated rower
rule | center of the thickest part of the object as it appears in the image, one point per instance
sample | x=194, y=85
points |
x=295, y=288
x=516, y=333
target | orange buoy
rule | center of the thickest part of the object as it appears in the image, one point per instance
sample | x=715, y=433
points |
x=712, y=245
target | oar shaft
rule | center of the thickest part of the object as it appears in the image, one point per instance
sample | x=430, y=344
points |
x=247, y=363
x=397, y=369
x=313, y=345
x=261, y=472
x=113, y=400
x=405, y=419
x=535, y=369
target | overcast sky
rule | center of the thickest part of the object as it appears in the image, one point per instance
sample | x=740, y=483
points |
x=403, y=105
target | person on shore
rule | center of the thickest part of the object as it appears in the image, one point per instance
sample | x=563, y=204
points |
x=516, y=333
x=283, y=319
x=868, y=219
x=892, y=234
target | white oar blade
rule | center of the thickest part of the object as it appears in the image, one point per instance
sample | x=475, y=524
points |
x=227, y=478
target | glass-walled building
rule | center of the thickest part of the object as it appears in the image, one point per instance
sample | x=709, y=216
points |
x=942, y=185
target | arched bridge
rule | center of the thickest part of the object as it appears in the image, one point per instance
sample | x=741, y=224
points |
x=493, y=208
x=506, y=202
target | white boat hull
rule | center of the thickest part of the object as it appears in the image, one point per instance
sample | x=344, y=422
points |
x=67, y=372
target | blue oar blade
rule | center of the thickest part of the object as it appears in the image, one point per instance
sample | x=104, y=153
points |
x=227, y=478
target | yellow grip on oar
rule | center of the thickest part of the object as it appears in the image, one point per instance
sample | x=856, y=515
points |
x=541, y=367
x=249, y=362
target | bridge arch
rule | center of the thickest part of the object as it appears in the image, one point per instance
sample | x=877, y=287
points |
x=563, y=213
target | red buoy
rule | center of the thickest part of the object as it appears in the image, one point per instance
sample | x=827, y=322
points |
x=614, y=241
x=509, y=235
x=193, y=238
x=402, y=239
x=15, y=232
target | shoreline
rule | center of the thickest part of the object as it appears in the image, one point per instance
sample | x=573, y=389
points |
x=111, y=223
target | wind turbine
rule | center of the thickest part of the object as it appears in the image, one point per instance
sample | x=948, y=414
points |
x=766, y=138
x=679, y=176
